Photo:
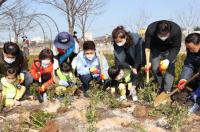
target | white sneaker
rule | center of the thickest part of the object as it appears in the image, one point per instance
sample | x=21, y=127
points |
x=133, y=95
x=122, y=98
x=194, y=108
x=134, y=98
x=45, y=97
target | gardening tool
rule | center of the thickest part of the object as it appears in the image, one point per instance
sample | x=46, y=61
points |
x=147, y=52
x=162, y=98
x=37, y=65
x=101, y=62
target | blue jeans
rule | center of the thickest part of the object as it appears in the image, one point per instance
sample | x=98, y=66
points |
x=28, y=81
x=165, y=81
x=85, y=79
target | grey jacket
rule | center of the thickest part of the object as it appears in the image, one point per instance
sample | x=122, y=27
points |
x=132, y=56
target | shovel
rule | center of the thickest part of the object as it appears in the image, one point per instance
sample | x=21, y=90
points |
x=163, y=97
x=147, y=52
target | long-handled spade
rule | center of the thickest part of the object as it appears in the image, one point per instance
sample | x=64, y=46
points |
x=162, y=98
x=39, y=96
x=147, y=52
x=101, y=62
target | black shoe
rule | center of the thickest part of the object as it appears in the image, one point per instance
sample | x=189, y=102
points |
x=86, y=94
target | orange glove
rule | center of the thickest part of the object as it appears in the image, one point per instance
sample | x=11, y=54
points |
x=147, y=68
x=181, y=84
x=102, y=76
x=94, y=70
x=41, y=89
x=37, y=75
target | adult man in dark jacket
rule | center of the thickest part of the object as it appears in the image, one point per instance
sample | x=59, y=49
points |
x=163, y=38
x=12, y=57
x=191, y=66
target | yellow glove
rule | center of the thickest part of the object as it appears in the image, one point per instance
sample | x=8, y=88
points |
x=164, y=65
x=94, y=70
x=21, y=78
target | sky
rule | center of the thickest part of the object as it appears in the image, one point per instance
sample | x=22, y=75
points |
x=118, y=12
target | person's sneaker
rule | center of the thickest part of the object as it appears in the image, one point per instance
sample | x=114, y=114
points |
x=45, y=97
x=134, y=98
x=122, y=98
x=86, y=94
x=194, y=108
x=133, y=95
x=17, y=103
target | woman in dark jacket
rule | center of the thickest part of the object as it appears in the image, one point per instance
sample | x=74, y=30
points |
x=128, y=51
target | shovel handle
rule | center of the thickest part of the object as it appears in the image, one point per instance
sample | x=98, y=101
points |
x=192, y=78
x=188, y=81
x=147, y=52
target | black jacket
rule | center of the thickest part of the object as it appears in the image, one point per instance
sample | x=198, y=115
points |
x=132, y=56
x=191, y=65
x=20, y=64
x=171, y=45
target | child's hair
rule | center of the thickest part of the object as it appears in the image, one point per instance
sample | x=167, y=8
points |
x=113, y=72
x=88, y=45
x=119, y=31
x=65, y=67
x=46, y=54
x=193, y=38
x=11, y=72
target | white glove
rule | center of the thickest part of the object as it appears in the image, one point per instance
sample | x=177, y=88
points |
x=63, y=83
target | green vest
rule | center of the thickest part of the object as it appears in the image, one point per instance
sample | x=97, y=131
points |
x=127, y=76
x=68, y=77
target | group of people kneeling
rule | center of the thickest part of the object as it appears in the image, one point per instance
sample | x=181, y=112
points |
x=64, y=63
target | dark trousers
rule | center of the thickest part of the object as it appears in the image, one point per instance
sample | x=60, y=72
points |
x=85, y=79
x=165, y=80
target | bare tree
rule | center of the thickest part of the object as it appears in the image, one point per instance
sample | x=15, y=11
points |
x=137, y=21
x=2, y=1
x=84, y=18
x=190, y=16
x=73, y=8
x=17, y=20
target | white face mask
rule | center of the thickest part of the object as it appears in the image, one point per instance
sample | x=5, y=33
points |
x=163, y=38
x=45, y=63
x=90, y=57
x=120, y=76
x=121, y=43
x=9, y=60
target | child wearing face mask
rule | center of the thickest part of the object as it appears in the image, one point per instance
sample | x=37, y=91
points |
x=12, y=91
x=42, y=71
x=88, y=66
x=122, y=79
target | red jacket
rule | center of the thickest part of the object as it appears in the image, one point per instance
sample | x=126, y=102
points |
x=37, y=68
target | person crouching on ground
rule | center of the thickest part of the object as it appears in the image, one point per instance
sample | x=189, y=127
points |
x=88, y=66
x=65, y=78
x=192, y=66
x=122, y=78
x=12, y=91
x=42, y=71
